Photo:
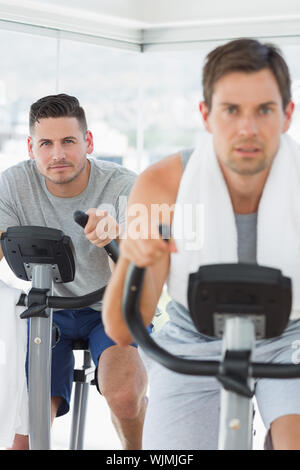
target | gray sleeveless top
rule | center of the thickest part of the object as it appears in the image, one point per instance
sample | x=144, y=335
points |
x=246, y=229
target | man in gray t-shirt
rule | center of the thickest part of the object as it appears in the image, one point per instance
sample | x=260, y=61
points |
x=45, y=191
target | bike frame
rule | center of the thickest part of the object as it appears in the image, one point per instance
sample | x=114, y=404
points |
x=236, y=411
x=39, y=367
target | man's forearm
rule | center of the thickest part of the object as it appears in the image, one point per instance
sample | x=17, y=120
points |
x=114, y=323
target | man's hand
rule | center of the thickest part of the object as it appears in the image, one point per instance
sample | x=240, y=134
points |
x=146, y=251
x=101, y=228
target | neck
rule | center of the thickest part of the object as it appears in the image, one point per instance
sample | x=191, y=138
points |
x=71, y=188
x=245, y=190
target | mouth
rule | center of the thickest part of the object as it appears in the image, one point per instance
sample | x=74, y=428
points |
x=56, y=167
x=246, y=151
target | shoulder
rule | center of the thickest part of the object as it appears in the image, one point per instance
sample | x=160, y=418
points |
x=18, y=171
x=168, y=171
x=160, y=182
x=19, y=166
x=159, y=169
x=110, y=169
x=114, y=179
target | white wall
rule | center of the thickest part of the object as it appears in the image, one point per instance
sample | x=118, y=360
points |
x=160, y=21
x=149, y=13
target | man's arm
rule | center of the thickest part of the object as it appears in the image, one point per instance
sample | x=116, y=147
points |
x=8, y=213
x=156, y=186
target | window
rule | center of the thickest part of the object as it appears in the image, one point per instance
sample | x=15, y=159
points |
x=172, y=91
x=28, y=72
x=106, y=81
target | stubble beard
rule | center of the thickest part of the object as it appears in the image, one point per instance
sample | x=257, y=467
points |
x=249, y=168
x=67, y=179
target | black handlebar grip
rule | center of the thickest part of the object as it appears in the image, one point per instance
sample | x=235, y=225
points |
x=81, y=218
x=111, y=248
x=165, y=231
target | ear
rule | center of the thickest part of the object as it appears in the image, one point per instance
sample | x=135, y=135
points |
x=29, y=147
x=288, y=113
x=205, y=114
x=89, y=142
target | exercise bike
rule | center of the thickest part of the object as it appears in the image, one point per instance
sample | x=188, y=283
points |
x=238, y=303
x=45, y=256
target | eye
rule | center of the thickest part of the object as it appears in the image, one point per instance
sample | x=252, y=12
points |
x=265, y=110
x=45, y=143
x=69, y=141
x=232, y=109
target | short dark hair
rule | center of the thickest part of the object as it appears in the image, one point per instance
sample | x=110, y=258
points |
x=55, y=106
x=245, y=55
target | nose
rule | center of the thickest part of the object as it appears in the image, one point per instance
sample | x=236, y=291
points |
x=247, y=126
x=58, y=152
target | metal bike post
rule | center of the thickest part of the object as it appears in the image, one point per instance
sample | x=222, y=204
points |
x=236, y=410
x=80, y=408
x=39, y=368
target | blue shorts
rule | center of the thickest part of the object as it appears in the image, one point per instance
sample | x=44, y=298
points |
x=85, y=324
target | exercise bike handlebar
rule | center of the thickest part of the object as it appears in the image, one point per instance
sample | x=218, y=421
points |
x=112, y=250
x=76, y=302
x=130, y=306
x=133, y=286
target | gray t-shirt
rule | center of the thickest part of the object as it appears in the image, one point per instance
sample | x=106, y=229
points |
x=246, y=225
x=25, y=200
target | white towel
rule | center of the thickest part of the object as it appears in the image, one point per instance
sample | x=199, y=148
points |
x=13, y=385
x=278, y=224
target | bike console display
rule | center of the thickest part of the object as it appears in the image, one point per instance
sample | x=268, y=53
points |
x=26, y=246
x=219, y=291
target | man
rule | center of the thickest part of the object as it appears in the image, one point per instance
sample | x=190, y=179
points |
x=45, y=191
x=247, y=110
